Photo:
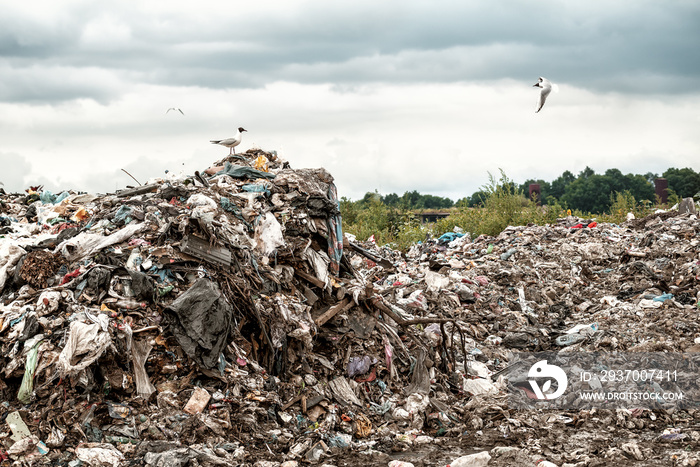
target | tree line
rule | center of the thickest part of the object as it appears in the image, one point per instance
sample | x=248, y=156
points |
x=586, y=192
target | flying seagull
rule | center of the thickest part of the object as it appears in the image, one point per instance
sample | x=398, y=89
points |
x=231, y=142
x=173, y=108
x=546, y=88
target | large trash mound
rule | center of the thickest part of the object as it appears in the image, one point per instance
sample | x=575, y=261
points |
x=224, y=319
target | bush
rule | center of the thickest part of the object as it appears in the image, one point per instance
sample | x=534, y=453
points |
x=503, y=205
x=623, y=203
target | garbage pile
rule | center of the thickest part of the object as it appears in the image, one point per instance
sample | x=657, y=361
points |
x=225, y=319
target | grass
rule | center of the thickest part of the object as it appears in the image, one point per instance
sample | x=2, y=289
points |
x=503, y=205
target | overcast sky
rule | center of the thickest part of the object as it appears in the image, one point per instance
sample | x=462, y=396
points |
x=390, y=96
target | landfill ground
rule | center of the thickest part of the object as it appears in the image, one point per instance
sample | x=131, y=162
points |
x=225, y=318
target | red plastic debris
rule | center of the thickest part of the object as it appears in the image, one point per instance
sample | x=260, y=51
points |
x=70, y=276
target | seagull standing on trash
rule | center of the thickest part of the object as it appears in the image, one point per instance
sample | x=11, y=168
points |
x=546, y=87
x=231, y=142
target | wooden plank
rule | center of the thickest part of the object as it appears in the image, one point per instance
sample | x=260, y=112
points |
x=294, y=400
x=310, y=401
x=385, y=263
x=339, y=307
x=137, y=191
x=315, y=281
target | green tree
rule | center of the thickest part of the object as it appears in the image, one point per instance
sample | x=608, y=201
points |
x=545, y=188
x=392, y=199
x=615, y=180
x=412, y=200
x=436, y=202
x=588, y=192
x=684, y=182
x=591, y=192
x=650, y=177
x=559, y=185
x=349, y=210
x=586, y=173
x=640, y=187
x=370, y=198
x=477, y=198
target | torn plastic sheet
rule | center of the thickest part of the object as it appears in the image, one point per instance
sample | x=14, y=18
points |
x=296, y=314
x=27, y=387
x=389, y=358
x=436, y=281
x=139, y=354
x=97, y=279
x=182, y=457
x=47, y=197
x=420, y=380
x=85, y=244
x=416, y=300
x=360, y=365
x=256, y=188
x=201, y=321
x=123, y=215
x=477, y=387
x=201, y=200
x=99, y=454
x=320, y=262
x=342, y=391
x=141, y=285
x=28, y=449
x=268, y=234
x=231, y=207
x=10, y=254
x=242, y=171
x=18, y=427
x=85, y=344
x=335, y=232
x=31, y=328
x=417, y=403
x=48, y=302
x=56, y=438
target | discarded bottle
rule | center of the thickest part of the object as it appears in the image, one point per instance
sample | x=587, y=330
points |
x=130, y=304
x=583, y=329
x=569, y=339
x=120, y=411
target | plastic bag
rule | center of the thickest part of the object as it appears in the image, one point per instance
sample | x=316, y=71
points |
x=85, y=344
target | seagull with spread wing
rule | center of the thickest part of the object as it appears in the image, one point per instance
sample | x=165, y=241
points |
x=546, y=87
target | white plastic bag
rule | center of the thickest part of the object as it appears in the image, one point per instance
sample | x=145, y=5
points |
x=268, y=234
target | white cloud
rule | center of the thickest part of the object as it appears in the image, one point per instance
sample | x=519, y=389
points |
x=14, y=169
x=436, y=138
x=105, y=32
x=385, y=97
